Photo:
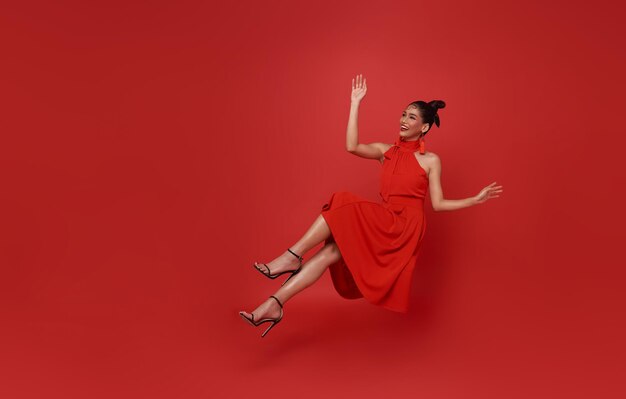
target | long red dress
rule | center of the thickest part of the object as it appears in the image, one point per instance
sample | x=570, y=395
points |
x=379, y=242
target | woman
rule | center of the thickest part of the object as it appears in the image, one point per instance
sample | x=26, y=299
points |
x=370, y=247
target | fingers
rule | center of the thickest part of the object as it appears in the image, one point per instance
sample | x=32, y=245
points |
x=491, y=191
x=359, y=82
x=495, y=189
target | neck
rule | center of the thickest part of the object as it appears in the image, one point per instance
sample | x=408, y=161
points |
x=410, y=145
x=413, y=138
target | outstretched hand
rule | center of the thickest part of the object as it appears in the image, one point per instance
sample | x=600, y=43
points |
x=488, y=192
x=358, y=91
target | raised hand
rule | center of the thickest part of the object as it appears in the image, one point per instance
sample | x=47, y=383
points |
x=488, y=192
x=358, y=91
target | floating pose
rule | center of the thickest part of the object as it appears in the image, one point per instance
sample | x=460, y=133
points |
x=370, y=248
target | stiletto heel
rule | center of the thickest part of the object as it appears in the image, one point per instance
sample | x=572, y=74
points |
x=273, y=321
x=273, y=276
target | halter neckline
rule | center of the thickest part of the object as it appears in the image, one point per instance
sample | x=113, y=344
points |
x=412, y=145
x=400, y=151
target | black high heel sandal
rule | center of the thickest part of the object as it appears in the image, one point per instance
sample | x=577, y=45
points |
x=273, y=321
x=273, y=276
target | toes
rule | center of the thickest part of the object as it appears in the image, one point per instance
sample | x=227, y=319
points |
x=247, y=315
x=257, y=265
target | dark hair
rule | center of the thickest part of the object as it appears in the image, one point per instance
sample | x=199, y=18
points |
x=428, y=111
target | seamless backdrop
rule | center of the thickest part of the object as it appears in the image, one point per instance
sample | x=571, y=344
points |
x=151, y=151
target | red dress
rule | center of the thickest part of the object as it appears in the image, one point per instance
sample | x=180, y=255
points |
x=379, y=242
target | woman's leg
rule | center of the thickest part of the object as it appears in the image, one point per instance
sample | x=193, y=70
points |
x=317, y=233
x=310, y=273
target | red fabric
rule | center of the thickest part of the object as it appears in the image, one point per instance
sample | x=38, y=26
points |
x=379, y=242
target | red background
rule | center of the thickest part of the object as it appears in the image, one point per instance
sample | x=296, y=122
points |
x=151, y=151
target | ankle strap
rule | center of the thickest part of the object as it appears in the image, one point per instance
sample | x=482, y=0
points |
x=272, y=296
x=295, y=254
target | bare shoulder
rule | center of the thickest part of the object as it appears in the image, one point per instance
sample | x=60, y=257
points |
x=432, y=160
x=431, y=156
x=384, y=147
x=428, y=161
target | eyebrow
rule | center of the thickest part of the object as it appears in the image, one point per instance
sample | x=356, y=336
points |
x=410, y=113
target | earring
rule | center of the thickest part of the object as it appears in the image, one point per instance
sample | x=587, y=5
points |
x=421, y=146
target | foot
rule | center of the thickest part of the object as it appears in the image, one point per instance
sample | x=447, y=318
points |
x=268, y=309
x=286, y=261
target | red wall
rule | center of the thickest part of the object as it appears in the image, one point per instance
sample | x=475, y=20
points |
x=151, y=151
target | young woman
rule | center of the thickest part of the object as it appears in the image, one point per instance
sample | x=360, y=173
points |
x=371, y=248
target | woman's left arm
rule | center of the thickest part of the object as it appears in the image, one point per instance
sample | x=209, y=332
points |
x=436, y=193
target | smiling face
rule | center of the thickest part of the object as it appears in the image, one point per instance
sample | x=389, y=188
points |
x=411, y=126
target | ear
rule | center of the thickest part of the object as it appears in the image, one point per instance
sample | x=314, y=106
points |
x=425, y=128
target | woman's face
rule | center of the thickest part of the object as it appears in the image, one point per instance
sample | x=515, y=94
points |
x=411, y=125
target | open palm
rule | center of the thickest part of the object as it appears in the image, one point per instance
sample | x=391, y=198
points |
x=358, y=90
x=488, y=192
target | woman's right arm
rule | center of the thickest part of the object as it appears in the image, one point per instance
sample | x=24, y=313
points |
x=372, y=150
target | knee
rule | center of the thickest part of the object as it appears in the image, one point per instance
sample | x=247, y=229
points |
x=332, y=250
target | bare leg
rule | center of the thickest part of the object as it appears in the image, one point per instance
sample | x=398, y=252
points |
x=317, y=233
x=310, y=273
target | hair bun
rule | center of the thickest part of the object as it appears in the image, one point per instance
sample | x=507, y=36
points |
x=436, y=104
